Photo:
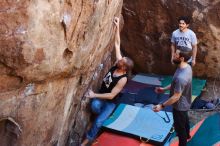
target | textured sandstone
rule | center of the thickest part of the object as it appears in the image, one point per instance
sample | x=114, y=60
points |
x=49, y=52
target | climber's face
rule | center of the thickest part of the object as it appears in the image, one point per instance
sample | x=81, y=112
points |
x=121, y=64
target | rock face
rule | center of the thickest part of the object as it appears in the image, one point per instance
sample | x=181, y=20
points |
x=49, y=52
x=148, y=27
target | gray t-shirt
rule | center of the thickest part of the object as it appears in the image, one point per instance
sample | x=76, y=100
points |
x=184, y=40
x=182, y=83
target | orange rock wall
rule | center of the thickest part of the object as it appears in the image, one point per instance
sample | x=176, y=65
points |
x=50, y=52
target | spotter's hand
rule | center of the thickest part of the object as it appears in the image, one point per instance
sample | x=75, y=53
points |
x=159, y=90
x=157, y=108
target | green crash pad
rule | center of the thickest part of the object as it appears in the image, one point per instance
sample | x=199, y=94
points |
x=208, y=133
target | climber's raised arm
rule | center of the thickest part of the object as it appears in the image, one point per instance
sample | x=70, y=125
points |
x=117, y=39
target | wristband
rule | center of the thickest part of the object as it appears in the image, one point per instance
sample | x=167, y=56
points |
x=162, y=105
